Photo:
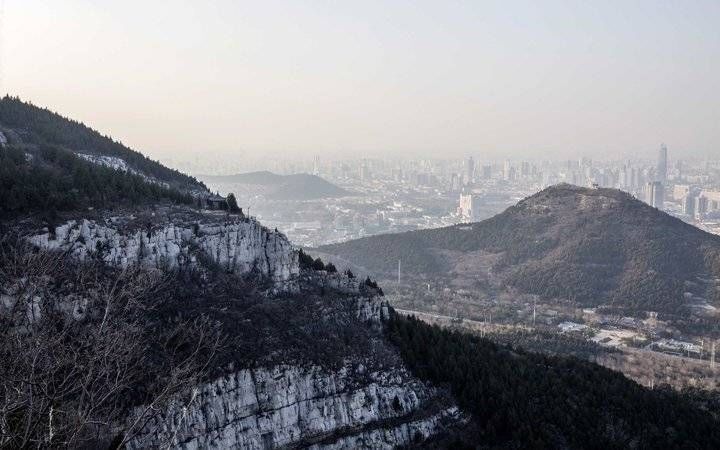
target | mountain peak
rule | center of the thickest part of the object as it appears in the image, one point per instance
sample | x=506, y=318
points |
x=590, y=246
x=566, y=191
x=575, y=200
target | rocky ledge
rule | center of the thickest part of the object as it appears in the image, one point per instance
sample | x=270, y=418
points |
x=237, y=245
x=311, y=407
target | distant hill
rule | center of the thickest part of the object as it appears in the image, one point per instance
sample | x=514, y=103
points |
x=590, y=246
x=300, y=186
x=261, y=177
x=27, y=125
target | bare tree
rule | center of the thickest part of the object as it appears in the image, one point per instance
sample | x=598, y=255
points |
x=81, y=346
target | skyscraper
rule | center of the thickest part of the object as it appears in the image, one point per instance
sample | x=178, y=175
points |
x=469, y=206
x=507, y=175
x=655, y=194
x=316, y=165
x=524, y=169
x=661, y=172
x=455, y=182
x=470, y=170
x=486, y=172
x=701, y=206
x=688, y=205
x=364, y=171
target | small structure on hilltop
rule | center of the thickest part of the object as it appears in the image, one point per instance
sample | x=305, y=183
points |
x=214, y=202
x=217, y=202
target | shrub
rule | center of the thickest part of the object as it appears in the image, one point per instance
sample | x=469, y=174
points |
x=305, y=260
x=232, y=203
x=318, y=264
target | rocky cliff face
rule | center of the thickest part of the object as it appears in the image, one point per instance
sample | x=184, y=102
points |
x=239, y=246
x=303, y=407
x=362, y=401
x=306, y=406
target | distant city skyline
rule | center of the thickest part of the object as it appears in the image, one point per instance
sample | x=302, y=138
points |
x=526, y=80
x=193, y=162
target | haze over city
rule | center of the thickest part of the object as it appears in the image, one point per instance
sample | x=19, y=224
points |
x=375, y=79
x=366, y=224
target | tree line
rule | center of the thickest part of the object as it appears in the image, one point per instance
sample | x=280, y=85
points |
x=49, y=179
x=527, y=400
x=40, y=126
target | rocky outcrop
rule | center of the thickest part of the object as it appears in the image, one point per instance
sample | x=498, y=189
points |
x=293, y=406
x=338, y=282
x=239, y=246
x=372, y=310
x=369, y=401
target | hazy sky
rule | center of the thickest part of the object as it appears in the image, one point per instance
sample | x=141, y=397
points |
x=340, y=78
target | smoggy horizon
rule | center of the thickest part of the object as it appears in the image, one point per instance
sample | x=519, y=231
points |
x=375, y=79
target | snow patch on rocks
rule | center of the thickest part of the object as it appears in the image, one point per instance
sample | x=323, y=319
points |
x=116, y=163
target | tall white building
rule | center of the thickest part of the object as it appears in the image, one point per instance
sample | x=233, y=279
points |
x=468, y=207
x=316, y=165
x=507, y=171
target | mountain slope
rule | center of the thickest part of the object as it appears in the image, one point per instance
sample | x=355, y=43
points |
x=299, y=186
x=131, y=320
x=26, y=125
x=48, y=179
x=169, y=327
x=592, y=246
x=282, y=356
x=49, y=163
x=526, y=400
x=302, y=186
x=261, y=177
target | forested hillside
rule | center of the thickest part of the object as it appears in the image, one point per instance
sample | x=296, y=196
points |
x=24, y=123
x=50, y=179
x=526, y=400
x=591, y=246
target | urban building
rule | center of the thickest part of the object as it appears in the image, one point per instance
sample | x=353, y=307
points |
x=661, y=170
x=468, y=207
x=470, y=171
x=655, y=194
x=688, y=205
